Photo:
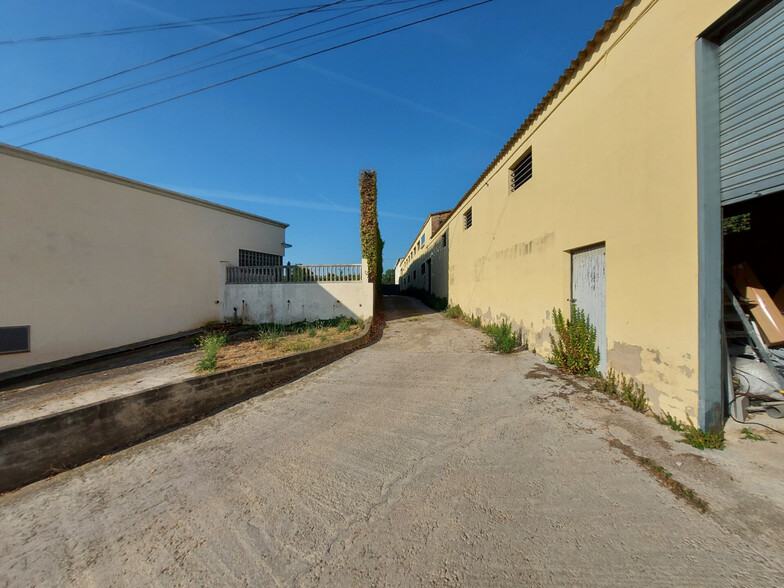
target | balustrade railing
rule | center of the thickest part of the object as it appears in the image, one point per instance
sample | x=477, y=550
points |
x=274, y=274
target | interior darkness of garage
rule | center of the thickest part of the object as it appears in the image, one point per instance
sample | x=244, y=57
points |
x=753, y=235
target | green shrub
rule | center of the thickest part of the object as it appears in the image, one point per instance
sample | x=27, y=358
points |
x=609, y=384
x=670, y=421
x=503, y=339
x=311, y=332
x=700, y=439
x=576, y=350
x=454, y=312
x=344, y=324
x=210, y=344
x=627, y=391
x=633, y=394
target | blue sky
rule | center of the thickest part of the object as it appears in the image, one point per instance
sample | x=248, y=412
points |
x=428, y=107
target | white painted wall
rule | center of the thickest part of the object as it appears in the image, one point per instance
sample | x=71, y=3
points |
x=93, y=261
x=291, y=303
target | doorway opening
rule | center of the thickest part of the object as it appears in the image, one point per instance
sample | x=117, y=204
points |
x=754, y=305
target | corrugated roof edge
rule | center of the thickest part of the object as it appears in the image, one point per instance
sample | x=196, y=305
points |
x=620, y=12
x=101, y=175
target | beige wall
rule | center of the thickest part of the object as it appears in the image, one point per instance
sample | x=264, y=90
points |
x=614, y=161
x=292, y=303
x=92, y=261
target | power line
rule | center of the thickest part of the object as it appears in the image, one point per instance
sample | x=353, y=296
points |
x=172, y=55
x=253, y=73
x=130, y=88
x=224, y=19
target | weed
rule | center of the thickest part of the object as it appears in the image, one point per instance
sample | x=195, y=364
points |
x=475, y=321
x=210, y=344
x=296, y=346
x=670, y=421
x=749, y=434
x=322, y=338
x=663, y=477
x=344, y=324
x=361, y=324
x=454, y=312
x=503, y=339
x=633, y=394
x=270, y=334
x=311, y=332
x=627, y=391
x=576, y=350
x=609, y=384
x=700, y=439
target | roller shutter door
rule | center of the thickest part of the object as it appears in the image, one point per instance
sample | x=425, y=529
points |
x=751, y=107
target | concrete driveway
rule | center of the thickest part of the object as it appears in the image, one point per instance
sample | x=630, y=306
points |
x=422, y=459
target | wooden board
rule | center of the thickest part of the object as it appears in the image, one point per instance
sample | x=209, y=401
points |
x=766, y=314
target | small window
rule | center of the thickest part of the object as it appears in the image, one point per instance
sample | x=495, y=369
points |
x=468, y=219
x=443, y=239
x=415, y=274
x=257, y=258
x=422, y=269
x=522, y=171
x=422, y=240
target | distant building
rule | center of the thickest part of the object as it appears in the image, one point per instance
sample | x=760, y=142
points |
x=612, y=192
x=91, y=261
x=413, y=277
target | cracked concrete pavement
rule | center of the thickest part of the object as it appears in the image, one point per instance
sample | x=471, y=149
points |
x=422, y=459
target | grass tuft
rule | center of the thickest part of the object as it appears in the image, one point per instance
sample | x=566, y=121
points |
x=670, y=421
x=503, y=339
x=700, y=439
x=454, y=312
x=749, y=434
x=210, y=344
x=627, y=391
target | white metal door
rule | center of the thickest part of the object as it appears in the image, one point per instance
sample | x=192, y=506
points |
x=589, y=292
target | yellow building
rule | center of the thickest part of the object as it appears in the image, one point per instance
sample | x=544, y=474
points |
x=612, y=191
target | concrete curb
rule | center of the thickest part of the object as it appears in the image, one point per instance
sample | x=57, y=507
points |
x=34, y=449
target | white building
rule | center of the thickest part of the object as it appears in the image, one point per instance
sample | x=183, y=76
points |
x=91, y=261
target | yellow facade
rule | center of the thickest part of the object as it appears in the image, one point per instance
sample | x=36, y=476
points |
x=614, y=162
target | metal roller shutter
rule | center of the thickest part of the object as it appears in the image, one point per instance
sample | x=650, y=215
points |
x=751, y=107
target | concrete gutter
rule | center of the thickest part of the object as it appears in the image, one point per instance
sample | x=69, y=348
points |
x=37, y=448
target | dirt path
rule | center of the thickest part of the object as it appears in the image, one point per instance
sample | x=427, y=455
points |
x=422, y=459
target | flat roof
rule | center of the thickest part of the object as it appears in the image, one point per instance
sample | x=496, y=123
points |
x=107, y=177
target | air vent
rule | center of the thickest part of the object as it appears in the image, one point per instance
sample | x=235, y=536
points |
x=14, y=339
x=523, y=171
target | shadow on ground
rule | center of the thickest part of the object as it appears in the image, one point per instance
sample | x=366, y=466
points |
x=402, y=307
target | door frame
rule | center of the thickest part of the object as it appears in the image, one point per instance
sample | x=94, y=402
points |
x=712, y=365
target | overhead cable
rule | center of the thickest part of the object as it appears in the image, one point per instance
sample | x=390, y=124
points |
x=256, y=72
x=171, y=56
x=159, y=79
